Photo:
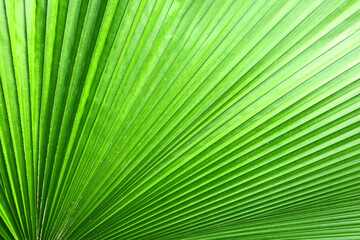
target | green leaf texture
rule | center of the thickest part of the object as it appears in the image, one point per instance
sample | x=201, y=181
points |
x=180, y=119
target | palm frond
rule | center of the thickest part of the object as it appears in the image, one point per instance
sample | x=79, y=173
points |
x=180, y=119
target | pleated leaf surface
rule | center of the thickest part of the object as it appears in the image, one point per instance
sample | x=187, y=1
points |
x=180, y=119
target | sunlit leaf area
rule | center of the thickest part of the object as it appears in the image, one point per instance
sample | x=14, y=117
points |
x=179, y=119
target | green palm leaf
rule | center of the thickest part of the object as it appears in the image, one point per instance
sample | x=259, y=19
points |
x=180, y=119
